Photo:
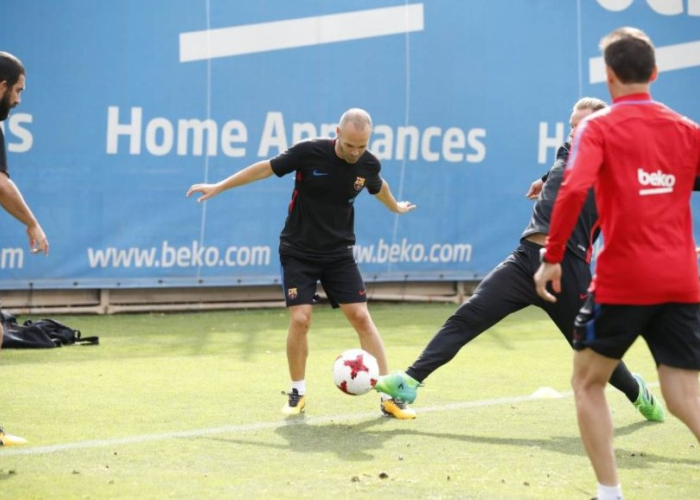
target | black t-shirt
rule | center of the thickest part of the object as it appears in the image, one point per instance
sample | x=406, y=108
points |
x=321, y=217
x=3, y=155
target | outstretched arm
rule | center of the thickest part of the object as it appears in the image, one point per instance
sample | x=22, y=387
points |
x=252, y=173
x=400, y=207
x=12, y=201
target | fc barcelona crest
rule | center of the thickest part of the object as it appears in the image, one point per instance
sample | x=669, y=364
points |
x=292, y=293
x=359, y=183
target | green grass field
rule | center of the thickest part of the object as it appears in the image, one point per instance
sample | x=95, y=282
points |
x=188, y=406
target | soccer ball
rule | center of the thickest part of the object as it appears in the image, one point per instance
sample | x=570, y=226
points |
x=355, y=372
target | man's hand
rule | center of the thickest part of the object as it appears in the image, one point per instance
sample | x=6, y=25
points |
x=403, y=207
x=37, y=239
x=207, y=190
x=535, y=189
x=546, y=273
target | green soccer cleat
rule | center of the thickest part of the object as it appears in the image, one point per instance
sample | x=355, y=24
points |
x=647, y=404
x=399, y=386
x=10, y=440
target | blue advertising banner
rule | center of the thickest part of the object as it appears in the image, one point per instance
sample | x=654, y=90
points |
x=129, y=103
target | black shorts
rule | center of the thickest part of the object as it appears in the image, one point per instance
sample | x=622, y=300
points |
x=338, y=274
x=671, y=330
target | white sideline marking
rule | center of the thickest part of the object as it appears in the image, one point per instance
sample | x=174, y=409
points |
x=232, y=429
x=303, y=32
x=668, y=58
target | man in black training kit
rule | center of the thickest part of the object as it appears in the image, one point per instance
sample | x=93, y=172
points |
x=509, y=288
x=12, y=82
x=317, y=239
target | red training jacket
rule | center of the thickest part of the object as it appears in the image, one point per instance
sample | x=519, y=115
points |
x=642, y=158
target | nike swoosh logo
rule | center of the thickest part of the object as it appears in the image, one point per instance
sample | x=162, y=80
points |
x=362, y=292
x=582, y=295
x=316, y=173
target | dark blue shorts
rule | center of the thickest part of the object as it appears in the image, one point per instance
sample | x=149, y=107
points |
x=671, y=330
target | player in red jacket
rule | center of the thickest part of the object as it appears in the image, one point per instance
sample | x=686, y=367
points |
x=642, y=159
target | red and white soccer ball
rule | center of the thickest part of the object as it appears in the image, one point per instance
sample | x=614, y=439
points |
x=355, y=372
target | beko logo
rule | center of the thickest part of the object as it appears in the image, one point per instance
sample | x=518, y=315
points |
x=660, y=182
x=669, y=57
x=663, y=7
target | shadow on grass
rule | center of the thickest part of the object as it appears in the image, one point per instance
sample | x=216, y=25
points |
x=6, y=474
x=352, y=442
x=364, y=440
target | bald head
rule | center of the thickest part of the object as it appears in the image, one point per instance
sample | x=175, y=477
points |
x=353, y=133
x=358, y=118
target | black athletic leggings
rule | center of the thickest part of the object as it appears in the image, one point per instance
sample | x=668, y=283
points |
x=507, y=289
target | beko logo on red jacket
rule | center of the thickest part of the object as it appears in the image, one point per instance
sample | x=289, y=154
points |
x=655, y=182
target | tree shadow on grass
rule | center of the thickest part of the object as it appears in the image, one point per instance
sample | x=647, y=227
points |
x=362, y=441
